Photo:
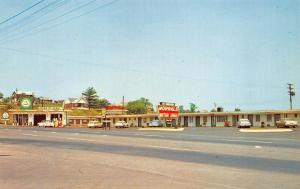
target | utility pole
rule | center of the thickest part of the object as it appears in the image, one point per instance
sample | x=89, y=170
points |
x=291, y=92
x=122, y=105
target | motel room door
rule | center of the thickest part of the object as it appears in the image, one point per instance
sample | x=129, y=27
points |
x=139, y=122
x=197, y=121
x=186, y=121
x=235, y=119
x=276, y=118
x=250, y=117
x=213, y=121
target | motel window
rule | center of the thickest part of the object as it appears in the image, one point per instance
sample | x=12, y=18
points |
x=204, y=119
x=221, y=118
x=269, y=117
x=191, y=119
x=114, y=120
x=243, y=116
x=257, y=118
x=296, y=115
x=77, y=121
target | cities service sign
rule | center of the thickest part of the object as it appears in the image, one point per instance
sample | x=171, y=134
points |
x=26, y=103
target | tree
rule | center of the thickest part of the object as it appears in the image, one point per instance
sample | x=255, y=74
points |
x=140, y=106
x=237, y=109
x=193, y=107
x=1, y=95
x=90, y=94
x=181, y=109
x=102, y=103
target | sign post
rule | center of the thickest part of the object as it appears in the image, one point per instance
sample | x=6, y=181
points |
x=168, y=111
x=5, y=117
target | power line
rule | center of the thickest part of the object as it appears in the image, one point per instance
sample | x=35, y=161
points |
x=166, y=75
x=48, y=21
x=58, y=24
x=17, y=24
x=23, y=11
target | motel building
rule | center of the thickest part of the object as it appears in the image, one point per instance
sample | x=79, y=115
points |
x=198, y=119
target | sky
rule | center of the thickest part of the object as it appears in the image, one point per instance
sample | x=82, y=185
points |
x=229, y=53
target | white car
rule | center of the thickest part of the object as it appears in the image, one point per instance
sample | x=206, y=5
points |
x=46, y=123
x=155, y=123
x=121, y=124
x=244, y=123
x=286, y=122
x=94, y=124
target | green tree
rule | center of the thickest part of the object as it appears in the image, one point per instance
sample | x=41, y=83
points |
x=1, y=95
x=181, y=109
x=140, y=106
x=193, y=107
x=237, y=109
x=102, y=103
x=90, y=94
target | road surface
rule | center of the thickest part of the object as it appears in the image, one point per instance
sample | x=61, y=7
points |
x=128, y=158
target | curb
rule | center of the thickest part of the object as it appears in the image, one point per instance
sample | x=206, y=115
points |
x=160, y=129
x=265, y=130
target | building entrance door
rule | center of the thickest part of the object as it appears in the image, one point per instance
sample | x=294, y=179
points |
x=186, y=121
x=197, y=121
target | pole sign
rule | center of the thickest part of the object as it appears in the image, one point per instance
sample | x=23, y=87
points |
x=5, y=115
x=168, y=111
x=26, y=103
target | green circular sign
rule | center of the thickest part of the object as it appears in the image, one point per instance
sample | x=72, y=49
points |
x=5, y=115
x=26, y=103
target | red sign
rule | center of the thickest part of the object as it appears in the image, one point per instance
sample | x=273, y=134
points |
x=168, y=111
x=114, y=107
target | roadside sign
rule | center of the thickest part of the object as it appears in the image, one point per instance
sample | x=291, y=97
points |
x=168, y=111
x=5, y=115
x=26, y=103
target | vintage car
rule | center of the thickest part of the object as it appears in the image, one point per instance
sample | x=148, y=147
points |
x=46, y=123
x=286, y=122
x=94, y=124
x=244, y=123
x=121, y=124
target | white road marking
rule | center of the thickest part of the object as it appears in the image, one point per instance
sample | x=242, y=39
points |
x=29, y=134
x=138, y=134
x=258, y=147
x=249, y=141
x=53, y=132
x=172, y=148
x=82, y=139
x=34, y=131
x=76, y=133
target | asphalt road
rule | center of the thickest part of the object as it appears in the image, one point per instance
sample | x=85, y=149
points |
x=129, y=158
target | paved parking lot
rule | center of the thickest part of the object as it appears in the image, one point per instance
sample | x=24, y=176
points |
x=129, y=158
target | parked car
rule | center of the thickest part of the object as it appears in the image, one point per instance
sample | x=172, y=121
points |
x=155, y=123
x=46, y=123
x=121, y=124
x=286, y=122
x=94, y=124
x=244, y=123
